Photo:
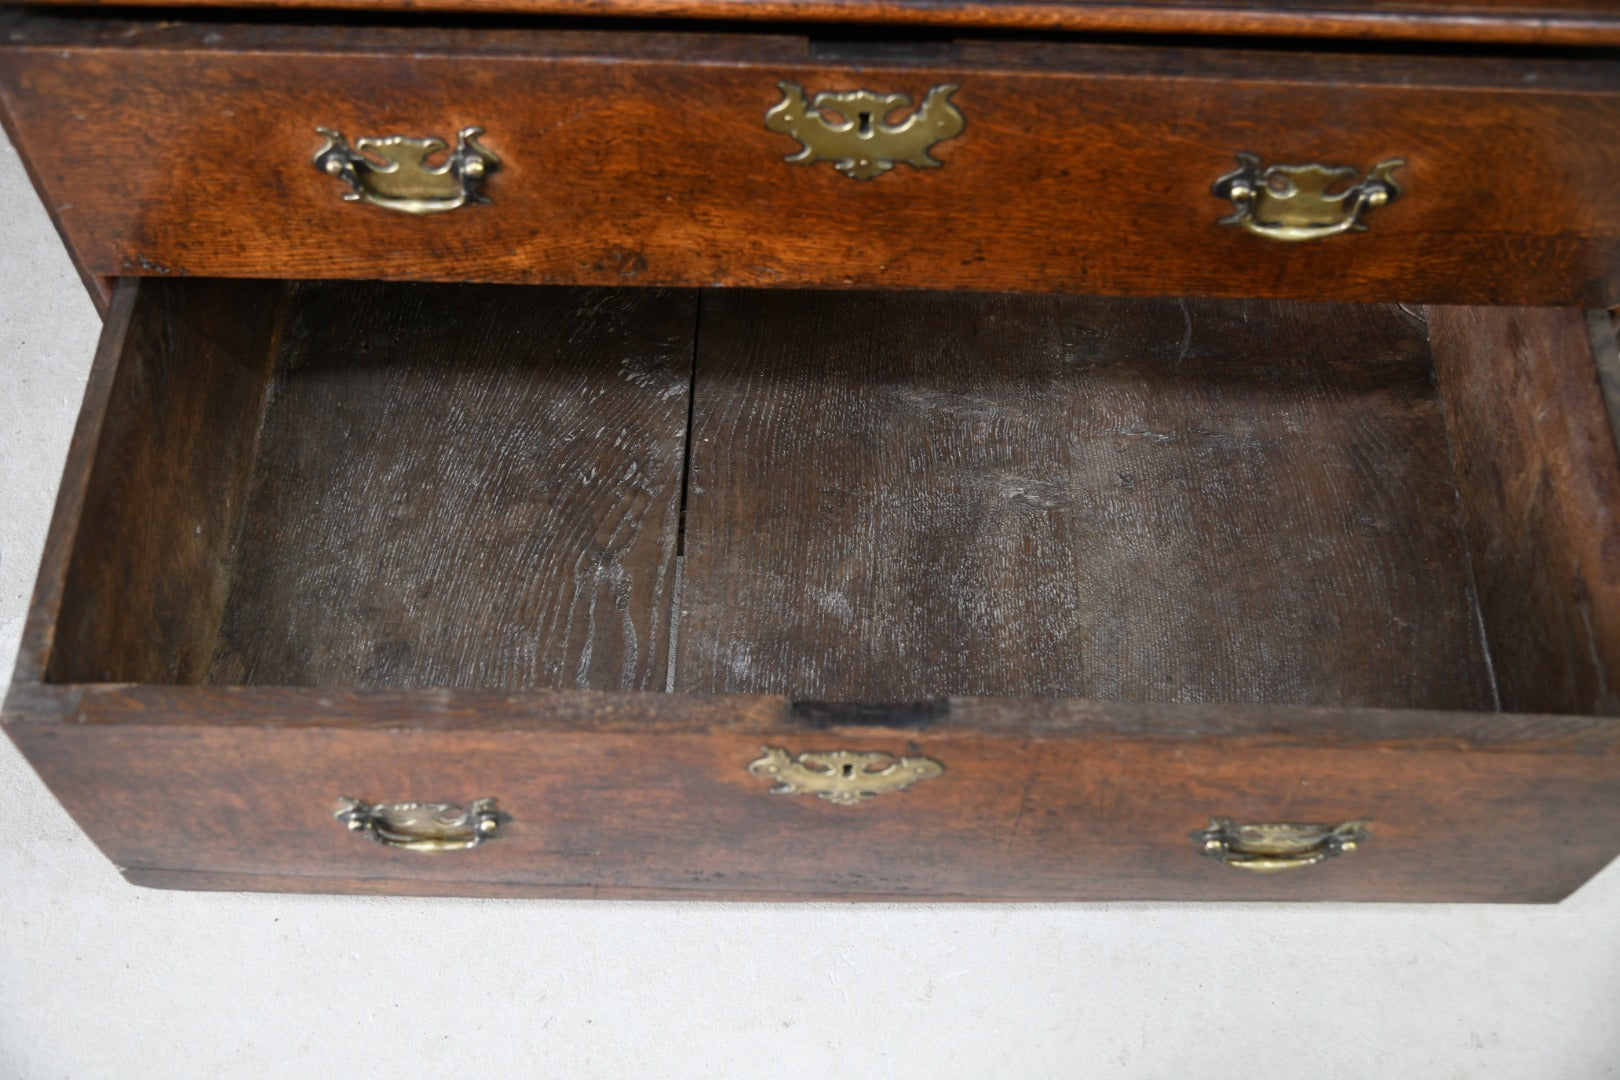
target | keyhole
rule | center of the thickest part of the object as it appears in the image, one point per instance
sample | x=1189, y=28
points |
x=849, y=770
x=865, y=119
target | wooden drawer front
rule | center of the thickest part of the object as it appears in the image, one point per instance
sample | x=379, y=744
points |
x=645, y=159
x=650, y=795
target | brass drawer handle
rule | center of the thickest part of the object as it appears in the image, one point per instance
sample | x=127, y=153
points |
x=1304, y=202
x=1266, y=849
x=393, y=171
x=845, y=777
x=417, y=826
x=852, y=129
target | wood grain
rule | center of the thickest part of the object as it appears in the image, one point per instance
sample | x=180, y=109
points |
x=175, y=444
x=913, y=496
x=45, y=607
x=1540, y=479
x=1588, y=23
x=1083, y=168
x=648, y=795
x=465, y=486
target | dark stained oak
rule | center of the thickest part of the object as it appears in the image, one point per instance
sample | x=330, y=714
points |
x=382, y=485
x=1539, y=478
x=1589, y=23
x=898, y=496
x=512, y=502
x=465, y=486
x=647, y=795
x=50, y=599
x=643, y=159
x=150, y=562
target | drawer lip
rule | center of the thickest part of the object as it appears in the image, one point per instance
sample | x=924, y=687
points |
x=1477, y=222
x=612, y=712
x=1473, y=22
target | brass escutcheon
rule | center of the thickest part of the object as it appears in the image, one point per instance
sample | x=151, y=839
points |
x=393, y=172
x=845, y=777
x=419, y=826
x=1267, y=849
x=1304, y=202
x=852, y=128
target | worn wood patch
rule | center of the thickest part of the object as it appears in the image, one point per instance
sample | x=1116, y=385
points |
x=177, y=401
x=465, y=486
x=905, y=496
x=1536, y=463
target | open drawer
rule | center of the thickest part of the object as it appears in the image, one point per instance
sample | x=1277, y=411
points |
x=795, y=594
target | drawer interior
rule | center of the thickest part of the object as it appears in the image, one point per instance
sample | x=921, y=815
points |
x=851, y=497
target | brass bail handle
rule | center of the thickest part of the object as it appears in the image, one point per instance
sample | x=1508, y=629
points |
x=1270, y=848
x=422, y=826
x=1293, y=203
x=395, y=173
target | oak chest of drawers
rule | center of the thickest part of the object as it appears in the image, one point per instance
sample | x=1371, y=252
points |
x=835, y=449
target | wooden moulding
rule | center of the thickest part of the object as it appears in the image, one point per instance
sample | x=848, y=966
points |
x=1592, y=23
x=644, y=159
x=200, y=735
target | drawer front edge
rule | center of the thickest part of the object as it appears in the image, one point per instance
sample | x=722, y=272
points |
x=640, y=795
x=646, y=159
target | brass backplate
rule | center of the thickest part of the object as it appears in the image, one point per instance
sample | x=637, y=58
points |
x=845, y=777
x=854, y=130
